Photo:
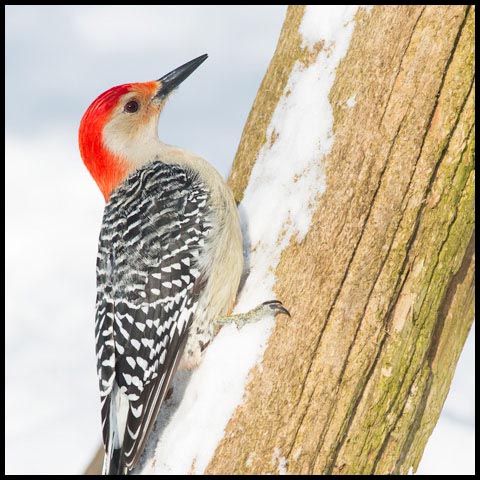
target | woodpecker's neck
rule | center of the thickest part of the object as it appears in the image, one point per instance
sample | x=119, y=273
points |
x=111, y=152
x=136, y=146
x=118, y=151
x=215, y=183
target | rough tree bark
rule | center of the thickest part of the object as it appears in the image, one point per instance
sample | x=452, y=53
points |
x=381, y=289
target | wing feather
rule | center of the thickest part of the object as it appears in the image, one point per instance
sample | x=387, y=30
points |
x=154, y=229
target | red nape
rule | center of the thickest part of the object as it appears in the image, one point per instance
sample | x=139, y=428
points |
x=107, y=169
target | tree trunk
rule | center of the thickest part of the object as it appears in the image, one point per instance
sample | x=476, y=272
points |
x=380, y=284
x=381, y=288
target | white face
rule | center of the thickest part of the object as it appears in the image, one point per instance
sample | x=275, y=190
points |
x=131, y=132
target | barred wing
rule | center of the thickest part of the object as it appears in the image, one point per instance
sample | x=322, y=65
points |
x=154, y=230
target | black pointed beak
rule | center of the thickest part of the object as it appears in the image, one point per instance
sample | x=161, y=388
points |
x=172, y=80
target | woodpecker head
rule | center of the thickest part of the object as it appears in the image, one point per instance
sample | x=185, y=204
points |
x=118, y=132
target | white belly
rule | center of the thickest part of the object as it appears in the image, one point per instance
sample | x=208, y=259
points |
x=223, y=267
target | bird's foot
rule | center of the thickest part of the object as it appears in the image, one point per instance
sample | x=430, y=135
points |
x=252, y=316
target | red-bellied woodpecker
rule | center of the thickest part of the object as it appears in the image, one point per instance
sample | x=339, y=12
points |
x=169, y=259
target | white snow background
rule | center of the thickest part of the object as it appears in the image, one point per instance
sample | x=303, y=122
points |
x=57, y=60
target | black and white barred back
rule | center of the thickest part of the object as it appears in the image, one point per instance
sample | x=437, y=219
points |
x=154, y=229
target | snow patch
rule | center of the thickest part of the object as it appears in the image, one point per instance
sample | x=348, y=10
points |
x=250, y=458
x=277, y=459
x=351, y=101
x=192, y=422
x=327, y=24
x=288, y=176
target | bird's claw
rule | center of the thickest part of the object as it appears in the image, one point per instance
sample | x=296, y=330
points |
x=276, y=306
x=240, y=320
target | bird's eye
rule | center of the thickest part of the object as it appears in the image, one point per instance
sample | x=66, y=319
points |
x=132, y=106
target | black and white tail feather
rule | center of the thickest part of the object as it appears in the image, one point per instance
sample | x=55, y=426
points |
x=154, y=230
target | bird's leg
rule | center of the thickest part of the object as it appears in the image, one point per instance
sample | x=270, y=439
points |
x=241, y=319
